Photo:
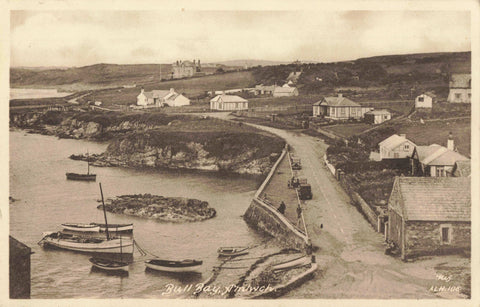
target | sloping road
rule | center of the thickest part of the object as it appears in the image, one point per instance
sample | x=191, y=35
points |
x=349, y=251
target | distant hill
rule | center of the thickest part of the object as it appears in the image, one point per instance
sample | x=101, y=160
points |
x=251, y=63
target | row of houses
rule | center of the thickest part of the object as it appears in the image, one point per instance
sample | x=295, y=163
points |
x=161, y=98
x=431, y=160
x=429, y=212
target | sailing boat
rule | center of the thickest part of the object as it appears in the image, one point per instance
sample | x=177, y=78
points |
x=109, y=264
x=83, y=177
x=87, y=244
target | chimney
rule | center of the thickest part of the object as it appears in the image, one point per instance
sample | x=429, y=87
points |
x=142, y=90
x=450, y=142
x=194, y=63
x=403, y=135
x=340, y=95
x=198, y=62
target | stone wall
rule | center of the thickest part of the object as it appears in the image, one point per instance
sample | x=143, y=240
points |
x=264, y=217
x=424, y=238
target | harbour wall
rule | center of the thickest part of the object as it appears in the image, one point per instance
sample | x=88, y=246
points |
x=264, y=217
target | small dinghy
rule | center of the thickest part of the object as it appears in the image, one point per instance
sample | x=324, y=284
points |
x=232, y=251
x=109, y=265
x=183, y=266
x=80, y=227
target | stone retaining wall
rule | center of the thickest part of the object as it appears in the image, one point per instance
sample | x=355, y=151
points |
x=263, y=217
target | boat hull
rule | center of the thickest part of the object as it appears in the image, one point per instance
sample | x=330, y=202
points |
x=232, y=251
x=109, y=265
x=81, y=177
x=193, y=268
x=81, y=227
x=115, y=246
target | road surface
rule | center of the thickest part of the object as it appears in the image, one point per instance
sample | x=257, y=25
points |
x=349, y=251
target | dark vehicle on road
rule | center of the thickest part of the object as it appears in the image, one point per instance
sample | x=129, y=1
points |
x=305, y=191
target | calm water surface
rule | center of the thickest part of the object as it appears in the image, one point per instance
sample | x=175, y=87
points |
x=45, y=199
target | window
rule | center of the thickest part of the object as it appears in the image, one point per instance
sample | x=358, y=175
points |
x=469, y=95
x=342, y=111
x=445, y=234
x=440, y=172
x=406, y=147
x=457, y=96
x=396, y=155
x=420, y=99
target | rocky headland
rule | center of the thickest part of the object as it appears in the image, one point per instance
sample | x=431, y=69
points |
x=162, y=141
x=167, y=209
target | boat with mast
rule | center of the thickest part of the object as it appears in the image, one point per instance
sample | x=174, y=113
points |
x=81, y=243
x=109, y=264
x=83, y=177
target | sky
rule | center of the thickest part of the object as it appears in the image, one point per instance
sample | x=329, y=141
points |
x=79, y=38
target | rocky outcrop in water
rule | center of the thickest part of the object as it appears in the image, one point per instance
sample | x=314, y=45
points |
x=167, y=209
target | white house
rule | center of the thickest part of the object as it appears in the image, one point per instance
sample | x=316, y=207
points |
x=225, y=102
x=159, y=98
x=460, y=88
x=424, y=101
x=396, y=147
x=339, y=108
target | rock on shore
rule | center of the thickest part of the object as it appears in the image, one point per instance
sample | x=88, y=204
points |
x=168, y=209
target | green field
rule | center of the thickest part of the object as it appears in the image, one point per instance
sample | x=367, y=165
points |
x=347, y=130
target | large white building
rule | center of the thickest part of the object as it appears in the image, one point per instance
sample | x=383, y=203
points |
x=225, y=102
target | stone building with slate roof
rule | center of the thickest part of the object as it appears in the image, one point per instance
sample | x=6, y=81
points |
x=429, y=216
x=434, y=160
x=19, y=269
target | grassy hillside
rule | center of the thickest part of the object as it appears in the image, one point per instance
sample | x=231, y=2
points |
x=384, y=77
x=191, y=87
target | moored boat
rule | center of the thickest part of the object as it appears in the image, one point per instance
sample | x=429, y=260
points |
x=115, y=227
x=109, y=265
x=232, y=251
x=182, y=266
x=81, y=227
x=81, y=177
x=88, y=245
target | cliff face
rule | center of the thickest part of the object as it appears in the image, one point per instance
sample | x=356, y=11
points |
x=237, y=153
x=160, y=141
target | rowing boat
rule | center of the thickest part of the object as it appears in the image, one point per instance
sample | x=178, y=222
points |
x=232, y=251
x=81, y=227
x=182, y=266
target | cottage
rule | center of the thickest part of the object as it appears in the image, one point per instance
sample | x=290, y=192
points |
x=228, y=103
x=429, y=216
x=377, y=116
x=460, y=88
x=396, y=147
x=160, y=98
x=424, y=101
x=19, y=269
x=284, y=91
x=434, y=160
x=339, y=108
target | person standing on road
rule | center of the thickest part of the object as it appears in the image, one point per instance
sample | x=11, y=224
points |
x=299, y=214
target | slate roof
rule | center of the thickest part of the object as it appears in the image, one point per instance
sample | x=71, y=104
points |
x=461, y=81
x=433, y=198
x=18, y=249
x=228, y=98
x=338, y=102
x=438, y=155
x=393, y=141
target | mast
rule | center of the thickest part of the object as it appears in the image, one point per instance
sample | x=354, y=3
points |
x=104, y=212
x=88, y=165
